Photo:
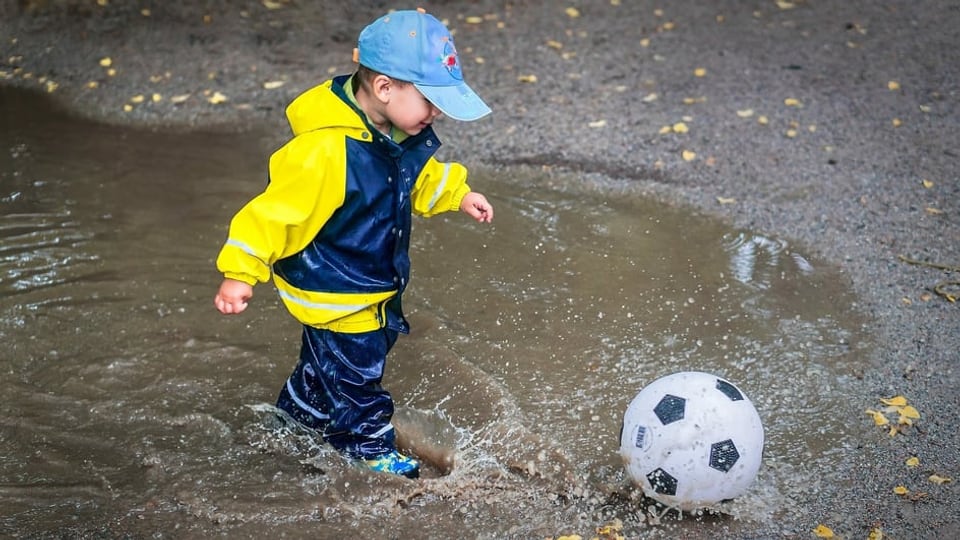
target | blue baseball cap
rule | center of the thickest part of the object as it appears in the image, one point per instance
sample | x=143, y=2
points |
x=415, y=47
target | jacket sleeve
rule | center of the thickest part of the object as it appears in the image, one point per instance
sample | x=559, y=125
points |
x=306, y=186
x=440, y=188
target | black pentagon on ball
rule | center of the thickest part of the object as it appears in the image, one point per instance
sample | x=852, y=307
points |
x=723, y=455
x=661, y=482
x=729, y=390
x=670, y=409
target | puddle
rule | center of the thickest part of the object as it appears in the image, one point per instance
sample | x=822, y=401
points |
x=133, y=407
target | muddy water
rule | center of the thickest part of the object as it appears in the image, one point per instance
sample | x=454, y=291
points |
x=131, y=407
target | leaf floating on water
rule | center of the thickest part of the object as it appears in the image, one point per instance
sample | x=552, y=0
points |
x=822, y=531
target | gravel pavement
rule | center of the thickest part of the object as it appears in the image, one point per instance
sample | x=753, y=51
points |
x=834, y=124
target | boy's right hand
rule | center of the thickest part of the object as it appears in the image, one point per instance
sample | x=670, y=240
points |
x=232, y=296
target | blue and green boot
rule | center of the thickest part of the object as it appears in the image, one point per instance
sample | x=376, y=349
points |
x=394, y=463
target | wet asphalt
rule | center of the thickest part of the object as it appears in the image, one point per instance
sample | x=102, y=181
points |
x=831, y=124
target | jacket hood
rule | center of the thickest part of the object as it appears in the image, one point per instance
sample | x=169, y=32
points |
x=322, y=107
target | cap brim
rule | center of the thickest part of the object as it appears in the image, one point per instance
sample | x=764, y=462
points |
x=458, y=102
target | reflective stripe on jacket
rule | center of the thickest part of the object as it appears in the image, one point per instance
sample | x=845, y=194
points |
x=334, y=220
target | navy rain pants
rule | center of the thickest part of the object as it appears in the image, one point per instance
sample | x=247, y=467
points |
x=335, y=389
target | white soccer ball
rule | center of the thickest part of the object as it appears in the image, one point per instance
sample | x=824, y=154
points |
x=691, y=440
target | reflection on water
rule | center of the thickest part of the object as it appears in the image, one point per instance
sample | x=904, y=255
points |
x=132, y=407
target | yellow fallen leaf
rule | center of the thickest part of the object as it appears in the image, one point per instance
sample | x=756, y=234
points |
x=650, y=98
x=127, y=107
x=792, y=102
x=570, y=537
x=93, y=84
x=688, y=155
x=665, y=129
x=913, y=462
x=554, y=44
x=680, y=127
x=896, y=122
x=925, y=108
x=745, y=113
x=51, y=86
x=726, y=200
x=893, y=85
x=106, y=61
x=939, y=480
x=527, y=78
x=473, y=20
x=822, y=531
x=217, y=98
x=271, y=5
x=180, y=98
x=901, y=490
x=878, y=418
x=783, y=4
x=933, y=211
x=927, y=183
x=156, y=98
x=597, y=124
x=700, y=72
x=896, y=401
x=791, y=133
x=763, y=120
x=272, y=85
x=645, y=42
x=572, y=12
x=910, y=412
x=137, y=98
x=876, y=533
x=111, y=72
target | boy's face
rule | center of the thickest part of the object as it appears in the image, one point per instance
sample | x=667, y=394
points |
x=408, y=110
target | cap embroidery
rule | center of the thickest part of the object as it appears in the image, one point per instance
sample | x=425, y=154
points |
x=449, y=56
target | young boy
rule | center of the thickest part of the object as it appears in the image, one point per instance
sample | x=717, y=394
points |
x=333, y=225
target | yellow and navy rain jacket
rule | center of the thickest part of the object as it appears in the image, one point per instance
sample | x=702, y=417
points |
x=333, y=223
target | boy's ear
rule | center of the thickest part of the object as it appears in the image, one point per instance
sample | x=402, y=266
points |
x=382, y=86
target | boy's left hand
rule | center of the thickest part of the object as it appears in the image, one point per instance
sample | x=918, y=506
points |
x=476, y=206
